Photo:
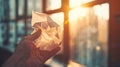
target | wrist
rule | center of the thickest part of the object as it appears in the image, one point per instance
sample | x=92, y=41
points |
x=13, y=60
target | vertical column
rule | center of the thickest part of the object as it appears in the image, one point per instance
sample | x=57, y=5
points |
x=25, y=16
x=44, y=5
x=114, y=34
x=65, y=8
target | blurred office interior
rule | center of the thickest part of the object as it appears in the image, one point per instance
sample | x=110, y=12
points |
x=90, y=30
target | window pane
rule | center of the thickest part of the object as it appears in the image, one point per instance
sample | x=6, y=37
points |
x=29, y=27
x=5, y=33
x=38, y=5
x=88, y=35
x=12, y=32
x=30, y=6
x=1, y=32
x=77, y=3
x=12, y=9
x=53, y=4
x=12, y=36
x=21, y=7
x=21, y=30
x=4, y=9
x=34, y=5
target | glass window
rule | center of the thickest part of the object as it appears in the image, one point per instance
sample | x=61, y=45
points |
x=1, y=10
x=4, y=33
x=77, y=3
x=29, y=27
x=1, y=30
x=12, y=34
x=53, y=4
x=12, y=9
x=30, y=6
x=34, y=5
x=21, y=30
x=88, y=35
x=21, y=7
x=38, y=5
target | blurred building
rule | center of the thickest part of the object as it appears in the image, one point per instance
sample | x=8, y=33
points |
x=90, y=29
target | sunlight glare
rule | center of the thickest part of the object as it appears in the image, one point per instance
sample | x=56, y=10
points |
x=77, y=13
x=102, y=10
x=77, y=3
x=53, y=4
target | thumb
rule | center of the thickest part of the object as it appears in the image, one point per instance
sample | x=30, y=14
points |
x=53, y=52
x=35, y=35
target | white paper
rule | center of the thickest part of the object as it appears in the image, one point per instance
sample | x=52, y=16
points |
x=50, y=36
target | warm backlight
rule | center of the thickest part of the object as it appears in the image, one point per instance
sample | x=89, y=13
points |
x=77, y=13
x=77, y=3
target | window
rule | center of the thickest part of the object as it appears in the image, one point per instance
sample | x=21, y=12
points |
x=88, y=35
x=88, y=31
x=15, y=21
x=53, y=4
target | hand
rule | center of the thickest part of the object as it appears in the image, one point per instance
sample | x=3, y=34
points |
x=28, y=55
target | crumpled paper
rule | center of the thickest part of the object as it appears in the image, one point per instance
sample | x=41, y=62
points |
x=50, y=36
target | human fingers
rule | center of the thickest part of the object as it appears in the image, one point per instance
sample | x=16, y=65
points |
x=45, y=55
x=46, y=52
x=35, y=35
x=54, y=51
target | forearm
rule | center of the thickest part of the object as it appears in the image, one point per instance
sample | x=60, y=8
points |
x=14, y=61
